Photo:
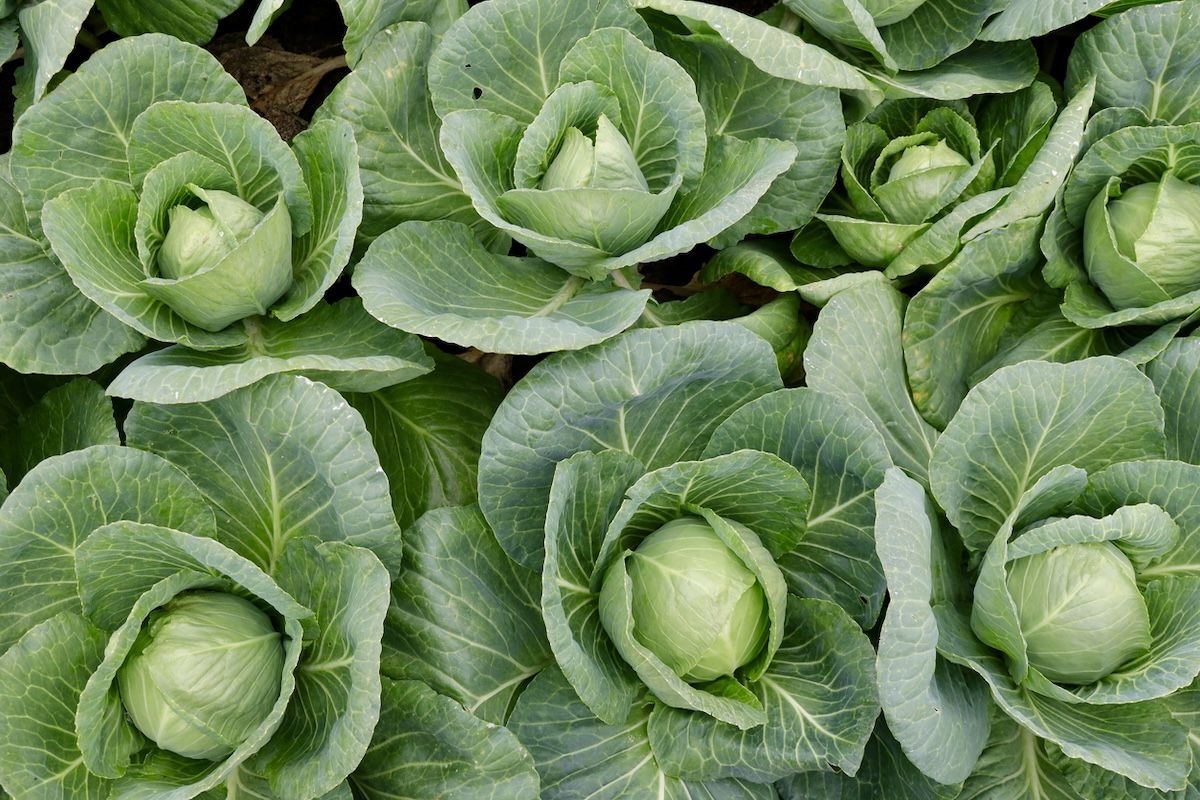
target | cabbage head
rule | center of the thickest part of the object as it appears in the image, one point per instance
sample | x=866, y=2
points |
x=694, y=603
x=203, y=673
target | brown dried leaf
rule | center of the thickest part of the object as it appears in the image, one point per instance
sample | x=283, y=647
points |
x=278, y=83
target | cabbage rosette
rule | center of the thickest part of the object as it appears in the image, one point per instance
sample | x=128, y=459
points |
x=594, y=143
x=199, y=226
x=191, y=212
x=606, y=164
x=169, y=629
x=1122, y=238
x=652, y=524
x=920, y=179
x=1075, y=611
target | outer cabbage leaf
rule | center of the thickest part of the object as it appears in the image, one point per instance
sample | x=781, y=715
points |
x=937, y=711
x=885, y=772
x=190, y=21
x=953, y=324
x=366, y=19
x=339, y=345
x=501, y=304
x=68, y=417
x=855, y=354
x=44, y=674
x=587, y=491
x=765, y=106
x=1030, y=418
x=655, y=394
x=578, y=755
x=48, y=31
x=426, y=747
x=404, y=174
x=464, y=617
x=292, y=461
x=1176, y=376
x=1145, y=58
x=332, y=714
x=427, y=433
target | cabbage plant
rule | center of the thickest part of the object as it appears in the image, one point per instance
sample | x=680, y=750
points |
x=199, y=207
x=1122, y=235
x=593, y=171
x=1057, y=588
x=694, y=545
x=168, y=210
x=921, y=179
x=180, y=633
x=594, y=139
x=171, y=630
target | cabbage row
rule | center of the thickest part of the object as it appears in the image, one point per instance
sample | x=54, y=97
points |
x=603, y=399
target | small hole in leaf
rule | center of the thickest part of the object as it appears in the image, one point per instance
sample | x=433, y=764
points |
x=477, y=93
x=466, y=66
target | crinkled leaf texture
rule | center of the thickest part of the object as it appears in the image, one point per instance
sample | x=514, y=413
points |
x=501, y=304
x=69, y=417
x=293, y=463
x=427, y=747
x=339, y=345
x=655, y=394
x=487, y=122
x=465, y=617
x=427, y=433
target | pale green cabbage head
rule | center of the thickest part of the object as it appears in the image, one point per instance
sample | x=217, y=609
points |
x=222, y=258
x=203, y=675
x=1080, y=611
x=695, y=603
x=1140, y=244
